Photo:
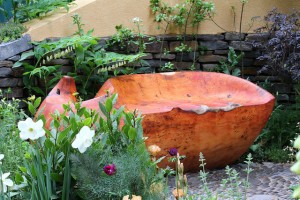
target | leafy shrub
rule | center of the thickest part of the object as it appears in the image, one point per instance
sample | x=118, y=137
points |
x=229, y=66
x=125, y=148
x=277, y=134
x=282, y=51
x=10, y=144
x=90, y=59
x=11, y=31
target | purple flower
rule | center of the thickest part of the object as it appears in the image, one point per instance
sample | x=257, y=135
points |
x=109, y=169
x=173, y=151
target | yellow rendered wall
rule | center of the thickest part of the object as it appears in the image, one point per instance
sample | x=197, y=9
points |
x=104, y=15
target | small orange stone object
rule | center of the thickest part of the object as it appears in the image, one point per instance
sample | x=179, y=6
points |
x=213, y=113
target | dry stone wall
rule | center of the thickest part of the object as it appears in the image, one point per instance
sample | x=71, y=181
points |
x=214, y=48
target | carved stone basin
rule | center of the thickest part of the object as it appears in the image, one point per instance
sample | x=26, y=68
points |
x=213, y=113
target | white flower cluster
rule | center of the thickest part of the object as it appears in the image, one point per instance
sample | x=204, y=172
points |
x=136, y=20
x=34, y=130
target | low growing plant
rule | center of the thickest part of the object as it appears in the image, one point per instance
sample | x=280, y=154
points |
x=11, y=31
x=229, y=66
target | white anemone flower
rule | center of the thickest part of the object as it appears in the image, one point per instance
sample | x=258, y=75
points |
x=83, y=139
x=1, y=158
x=30, y=129
x=6, y=182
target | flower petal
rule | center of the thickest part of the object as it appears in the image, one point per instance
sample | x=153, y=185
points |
x=1, y=156
x=8, y=182
x=5, y=175
x=39, y=124
x=77, y=142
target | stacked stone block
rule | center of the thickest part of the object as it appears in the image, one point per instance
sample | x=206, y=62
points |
x=208, y=49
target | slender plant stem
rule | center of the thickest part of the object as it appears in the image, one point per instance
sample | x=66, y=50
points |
x=162, y=43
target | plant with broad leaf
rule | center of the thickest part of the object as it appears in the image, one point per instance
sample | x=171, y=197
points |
x=229, y=66
x=90, y=59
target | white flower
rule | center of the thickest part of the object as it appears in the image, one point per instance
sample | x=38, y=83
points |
x=5, y=182
x=30, y=129
x=83, y=139
x=136, y=20
x=1, y=158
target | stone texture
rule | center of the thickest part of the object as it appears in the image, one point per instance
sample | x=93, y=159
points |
x=148, y=56
x=186, y=65
x=246, y=62
x=209, y=37
x=241, y=45
x=249, y=70
x=259, y=37
x=174, y=37
x=234, y=36
x=280, y=88
x=9, y=82
x=191, y=56
x=6, y=63
x=5, y=72
x=263, y=197
x=214, y=45
x=14, y=58
x=252, y=54
x=193, y=44
x=155, y=47
x=13, y=48
x=165, y=57
x=221, y=52
x=16, y=93
x=18, y=72
x=211, y=58
x=209, y=67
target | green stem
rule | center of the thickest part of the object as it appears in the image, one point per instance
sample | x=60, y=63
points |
x=162, y=43
x=185, y=28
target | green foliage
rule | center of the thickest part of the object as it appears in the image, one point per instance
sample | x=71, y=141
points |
x=277, y=134
x=185, y=15
x=125, y=148
x=25, y=10
x=229, y=66
x=10, y=145
x=123, y=38
x=11, y=31
x=91, y=62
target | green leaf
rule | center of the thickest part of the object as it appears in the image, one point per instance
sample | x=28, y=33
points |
x=103, y=109
x=132, y=133
x=17, y=64
x=23, y=169
x=87, y=121
x=62, y=135
x=26, y=55
x=56, y=177
x=31, y=108
x=48, y=143
x=18, y=178
x=109, y=105
x=37, y=102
